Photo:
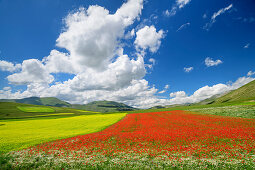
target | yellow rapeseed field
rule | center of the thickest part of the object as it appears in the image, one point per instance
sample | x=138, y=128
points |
x=15, y=135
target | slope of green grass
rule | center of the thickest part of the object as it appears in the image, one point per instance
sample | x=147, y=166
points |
x=15, y=135
x=244, y=93
x=46, y=101
x=243, y=111
x=235, y=109
x=10, y=110
x=104, y=106
x=35, y=109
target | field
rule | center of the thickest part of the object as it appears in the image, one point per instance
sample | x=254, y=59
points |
x=18, y=111
x=244, y=111
x=23, y=133
x=35, y=109
x=218, y=136
x=175, y=139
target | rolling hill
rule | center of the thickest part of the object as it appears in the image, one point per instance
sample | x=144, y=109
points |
x=104, y=106
x=244, y=93
x=97, y=106
x=45, y=101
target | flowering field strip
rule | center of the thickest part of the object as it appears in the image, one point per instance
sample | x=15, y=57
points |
x=155, y=140
x=15, y=135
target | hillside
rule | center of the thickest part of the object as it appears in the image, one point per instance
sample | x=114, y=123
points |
x=104, y=106
x=10, y=110
x=244, y=93
x=46, y=101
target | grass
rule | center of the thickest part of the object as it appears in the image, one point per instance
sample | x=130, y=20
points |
x=243, y=111
x=13, y=111
x=244, y=93
x=16, y=135
x=235, y=109
x=54, y=114
x=36, y=109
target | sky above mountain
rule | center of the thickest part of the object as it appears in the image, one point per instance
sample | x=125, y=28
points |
x=141, y=53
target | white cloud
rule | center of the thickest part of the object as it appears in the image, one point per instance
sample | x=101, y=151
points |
x=179, y=4
x=183, y=26
x=188, y=69
x=33, y=71
x=148, y=38
x=8, y=66
x=205, y=92
x=152, y=60
x=165, y=89
x=240, y=82
x=130, y=34
x=58, y=62
x=119, y=74
x=204, y=16
x=92, y=36
x=250, y=73
x=247, y=45
x=166, y=13
x=210, y=62
x=208, y=25
x=182, y=3
x=178, y=94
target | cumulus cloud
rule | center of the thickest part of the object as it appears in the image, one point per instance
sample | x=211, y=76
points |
x=8, y=66
x=33, y=71
x=58, y=62
x=188, y=69
x=118, y=75
x=210, y=62
x=179, y=4
x=183, y=26
x=208, y=25
x=92, y=36
x=180, y=97
x=148, y=38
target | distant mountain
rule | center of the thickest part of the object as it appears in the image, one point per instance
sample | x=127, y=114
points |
x=211, y=100
x=104, y=106
x=168, y=106
x=46, y=101
x=97, y=106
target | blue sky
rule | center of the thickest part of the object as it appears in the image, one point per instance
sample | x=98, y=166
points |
x=182, y=34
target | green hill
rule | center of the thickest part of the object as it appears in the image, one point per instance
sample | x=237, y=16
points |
x=104, y=106
x=46, y=101
x=244, y=93
x=97, y=106
x=9, y=110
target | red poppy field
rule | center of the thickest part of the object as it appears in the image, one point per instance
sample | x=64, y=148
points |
x=154, y=140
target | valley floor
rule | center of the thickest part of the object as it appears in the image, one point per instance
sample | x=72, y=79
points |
x=156, y=140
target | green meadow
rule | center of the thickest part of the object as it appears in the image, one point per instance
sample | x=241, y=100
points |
x=35, y=109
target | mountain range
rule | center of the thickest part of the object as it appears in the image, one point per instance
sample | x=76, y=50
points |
x=242, y=94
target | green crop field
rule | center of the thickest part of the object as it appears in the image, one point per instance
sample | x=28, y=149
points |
x=35, y=109
x=15, y=135
x=11, y=111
